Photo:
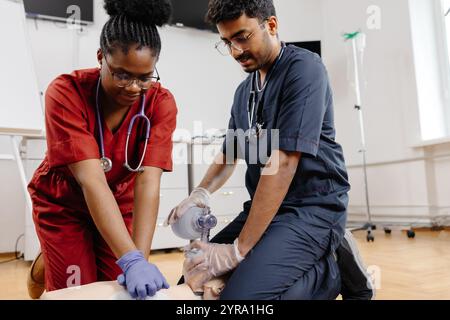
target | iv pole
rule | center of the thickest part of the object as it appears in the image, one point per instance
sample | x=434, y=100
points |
x=358, y=40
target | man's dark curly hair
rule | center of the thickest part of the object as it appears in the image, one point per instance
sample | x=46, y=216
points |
x=224, y=10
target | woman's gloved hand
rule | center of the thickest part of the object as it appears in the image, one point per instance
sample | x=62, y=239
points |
x=140, y=277
x=199, y=197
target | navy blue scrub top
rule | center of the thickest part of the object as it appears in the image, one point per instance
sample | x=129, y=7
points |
x=298, y=102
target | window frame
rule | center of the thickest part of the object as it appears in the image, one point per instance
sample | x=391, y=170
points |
x=444, y=58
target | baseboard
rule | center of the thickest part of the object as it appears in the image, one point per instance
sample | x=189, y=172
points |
x=7, y=256
x=415, y=221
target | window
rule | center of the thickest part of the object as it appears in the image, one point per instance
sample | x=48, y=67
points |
x=445, y=16
x=430, y=30
x=446, y=12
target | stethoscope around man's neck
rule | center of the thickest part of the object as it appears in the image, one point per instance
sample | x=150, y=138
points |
x=106, y=162
x=255, y=129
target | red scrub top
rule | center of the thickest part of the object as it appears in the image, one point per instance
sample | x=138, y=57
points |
x=73, y=135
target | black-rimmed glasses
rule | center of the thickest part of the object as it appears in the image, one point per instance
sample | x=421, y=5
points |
x=123, y=80
x=239, y=43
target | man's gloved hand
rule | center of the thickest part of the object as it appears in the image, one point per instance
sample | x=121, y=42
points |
x=214, y=261
x=199, y=197
x=196, y=272
x=140, y=277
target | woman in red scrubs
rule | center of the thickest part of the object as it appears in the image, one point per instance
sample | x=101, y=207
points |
x=95, y=219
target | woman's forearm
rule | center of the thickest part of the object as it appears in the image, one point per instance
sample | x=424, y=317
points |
x=102, y=206
x=107, y=217
x=144, y=218
x=146, y=206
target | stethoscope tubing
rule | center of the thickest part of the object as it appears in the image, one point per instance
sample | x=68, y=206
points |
x=105, y=161
x=251, y=104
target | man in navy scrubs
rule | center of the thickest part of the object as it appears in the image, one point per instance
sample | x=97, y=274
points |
x=290, y=241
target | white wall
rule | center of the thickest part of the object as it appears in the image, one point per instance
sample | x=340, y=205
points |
x=299, y=20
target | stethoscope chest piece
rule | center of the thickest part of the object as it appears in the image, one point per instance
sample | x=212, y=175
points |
x=106, y=164
x=252, y=135
x=255, y=133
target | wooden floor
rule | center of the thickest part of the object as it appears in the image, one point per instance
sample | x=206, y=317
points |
x=406, y=268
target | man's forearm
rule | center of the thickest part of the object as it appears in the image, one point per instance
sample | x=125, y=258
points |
x=218, y=174
x=271, y=191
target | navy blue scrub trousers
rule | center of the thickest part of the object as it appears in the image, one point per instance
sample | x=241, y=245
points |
x=294, y=260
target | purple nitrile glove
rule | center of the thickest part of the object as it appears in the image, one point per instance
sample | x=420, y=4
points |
x=140, y=277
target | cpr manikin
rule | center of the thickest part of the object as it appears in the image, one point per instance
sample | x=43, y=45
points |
x=196, y=223
x=111, y=290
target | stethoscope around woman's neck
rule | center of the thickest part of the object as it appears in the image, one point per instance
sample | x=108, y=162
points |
x=106, y=162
